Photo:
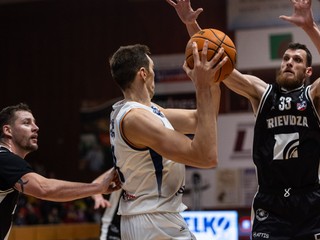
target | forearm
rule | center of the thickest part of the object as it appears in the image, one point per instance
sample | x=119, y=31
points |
x=193, y=28
x=62, y=191
x=205, y=140
x=100, y=178
x=314, y=33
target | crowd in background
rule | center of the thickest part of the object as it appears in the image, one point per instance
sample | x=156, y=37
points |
x=32, y=211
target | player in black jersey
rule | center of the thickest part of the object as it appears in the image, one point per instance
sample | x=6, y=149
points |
x=286, y=148
x=19, y=137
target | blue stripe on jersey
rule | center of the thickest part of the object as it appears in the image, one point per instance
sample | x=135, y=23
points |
x=158, y=165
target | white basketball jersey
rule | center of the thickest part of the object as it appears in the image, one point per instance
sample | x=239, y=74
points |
x=151, y=182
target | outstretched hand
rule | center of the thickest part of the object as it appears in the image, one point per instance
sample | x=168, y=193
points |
x=302, y=14
x=185, y=11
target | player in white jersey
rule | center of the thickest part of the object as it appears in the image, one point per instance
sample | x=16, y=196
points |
x=150, y=146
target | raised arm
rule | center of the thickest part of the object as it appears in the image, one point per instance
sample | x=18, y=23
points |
x=302, y=17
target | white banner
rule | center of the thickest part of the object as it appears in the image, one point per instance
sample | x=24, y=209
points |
x=235, y=137
x=233, y=183
x=263, y=48
x=244, y=14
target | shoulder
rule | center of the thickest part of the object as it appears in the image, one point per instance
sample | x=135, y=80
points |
x=7, y=156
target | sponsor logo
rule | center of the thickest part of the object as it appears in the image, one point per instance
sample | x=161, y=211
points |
x=287, y=120
x=128, y=197
x=182, y=228
x=157, y=111
x=260, y=235
x=302, y=106
x=212, y=224
x=261, y=215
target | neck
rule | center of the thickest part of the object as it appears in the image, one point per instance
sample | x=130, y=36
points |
x=6, y=145
x=138, y=98
x=286, y=90
x=13, y=149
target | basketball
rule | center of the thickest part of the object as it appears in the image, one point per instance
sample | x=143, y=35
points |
x=216, y=40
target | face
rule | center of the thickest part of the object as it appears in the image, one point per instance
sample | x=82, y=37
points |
x=150, y=78
x=24, y=132
x=293, y=70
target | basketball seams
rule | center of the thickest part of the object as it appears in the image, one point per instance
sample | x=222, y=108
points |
x=205, y=38
x=216, y=40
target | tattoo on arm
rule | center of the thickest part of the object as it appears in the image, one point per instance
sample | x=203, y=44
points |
x=22, y=183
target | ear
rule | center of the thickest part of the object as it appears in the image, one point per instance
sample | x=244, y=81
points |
x=7, y=130
x=143, y=73
x=309, y=71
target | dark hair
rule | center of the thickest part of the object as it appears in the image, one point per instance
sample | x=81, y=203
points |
x=126, y=62
x=7, y=114
x=296, y=46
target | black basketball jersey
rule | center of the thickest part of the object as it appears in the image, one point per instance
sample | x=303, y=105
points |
x=286, y=146
x=12, y=168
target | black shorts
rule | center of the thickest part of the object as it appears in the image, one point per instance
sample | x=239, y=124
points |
x=114, y=228
x=286, y=215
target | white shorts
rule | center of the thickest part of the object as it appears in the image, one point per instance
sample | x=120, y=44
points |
x=155, y=226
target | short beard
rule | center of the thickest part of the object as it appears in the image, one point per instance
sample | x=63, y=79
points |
x=31, y=148
x=297, y=82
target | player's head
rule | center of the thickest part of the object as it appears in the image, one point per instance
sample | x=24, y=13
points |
x=299, y=46
x=17, y=126
x=295, y=66
x=127, y=61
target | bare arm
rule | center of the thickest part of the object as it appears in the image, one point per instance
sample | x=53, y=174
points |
x=183, y=120
x=248, y=86
x=60, y=191
x=201, y=151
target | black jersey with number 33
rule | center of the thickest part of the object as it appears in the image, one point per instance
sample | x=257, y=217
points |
x=286, y=147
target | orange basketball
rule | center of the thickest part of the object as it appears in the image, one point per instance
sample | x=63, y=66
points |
x=216, y=40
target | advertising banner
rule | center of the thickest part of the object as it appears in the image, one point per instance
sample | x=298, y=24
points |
x=244, y=14
x=213, y=225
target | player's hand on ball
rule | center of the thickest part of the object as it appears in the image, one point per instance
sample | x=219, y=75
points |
x=204, y=71
x=216, y=40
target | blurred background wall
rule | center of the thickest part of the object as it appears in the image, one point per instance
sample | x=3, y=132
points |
x=53, y=56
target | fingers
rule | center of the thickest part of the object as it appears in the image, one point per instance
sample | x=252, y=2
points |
x=198, y=11
x=172, y=3
x=102, y=203
x=195, y=52
x=215, y=62
x=221, y=63
x=204, y=51
x=300, y=1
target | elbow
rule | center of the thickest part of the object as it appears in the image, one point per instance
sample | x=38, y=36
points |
x=40, y=194
x=210, y=161
x=45, y=193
